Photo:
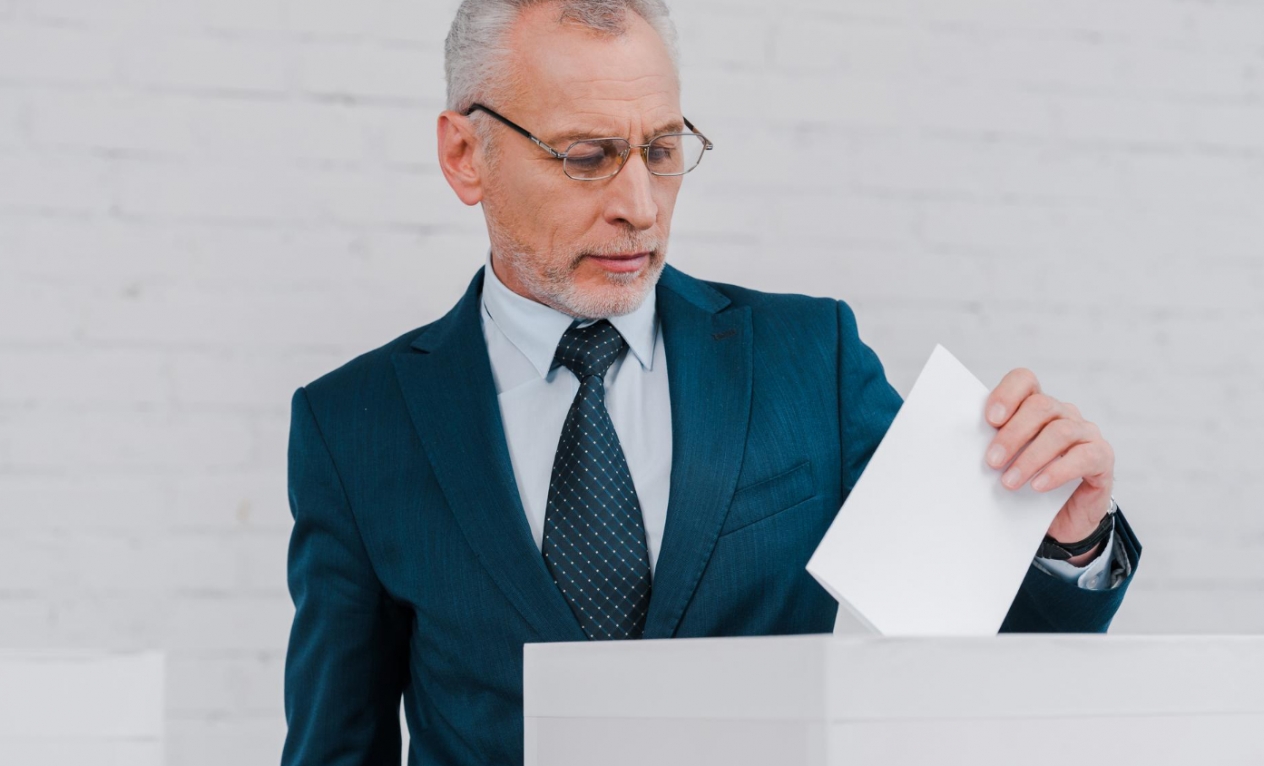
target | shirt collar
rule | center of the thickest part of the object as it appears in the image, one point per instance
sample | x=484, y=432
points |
x=536, y=329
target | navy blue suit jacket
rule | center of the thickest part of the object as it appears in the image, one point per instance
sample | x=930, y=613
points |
x=413, y=569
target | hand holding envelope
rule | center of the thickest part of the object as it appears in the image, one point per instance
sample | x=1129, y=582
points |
x=928, y=495
x=1054, y=444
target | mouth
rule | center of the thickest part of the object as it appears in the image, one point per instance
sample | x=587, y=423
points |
x=622, y=262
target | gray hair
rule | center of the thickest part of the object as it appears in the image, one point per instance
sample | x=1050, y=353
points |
x=475, y=50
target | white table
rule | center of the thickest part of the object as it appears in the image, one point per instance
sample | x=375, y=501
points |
x=834, y=700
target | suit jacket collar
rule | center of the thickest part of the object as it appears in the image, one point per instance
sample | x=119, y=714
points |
x=697, y=293
x=709, y=371
x=451, y=398
x=458, y=421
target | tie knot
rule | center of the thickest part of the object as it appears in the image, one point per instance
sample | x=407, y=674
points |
x=589, y=350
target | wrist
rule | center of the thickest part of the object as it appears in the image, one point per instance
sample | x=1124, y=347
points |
x=1080, y=551
x=1078, y=519
x=1086, y=558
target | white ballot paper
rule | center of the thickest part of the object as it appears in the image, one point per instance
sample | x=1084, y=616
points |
x=929, y=543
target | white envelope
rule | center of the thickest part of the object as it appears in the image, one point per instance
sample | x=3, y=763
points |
x=929, y=543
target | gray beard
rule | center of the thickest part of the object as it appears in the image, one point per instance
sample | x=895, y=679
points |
x=555, y=287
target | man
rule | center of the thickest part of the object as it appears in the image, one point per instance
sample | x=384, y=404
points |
x=591, y=444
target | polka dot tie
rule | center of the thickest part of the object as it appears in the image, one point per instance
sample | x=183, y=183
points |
x=594, y=541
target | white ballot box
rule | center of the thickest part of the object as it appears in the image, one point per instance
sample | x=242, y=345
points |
x=64, y=708
x=835, y=700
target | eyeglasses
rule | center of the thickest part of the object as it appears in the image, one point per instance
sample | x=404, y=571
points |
x=592, y=159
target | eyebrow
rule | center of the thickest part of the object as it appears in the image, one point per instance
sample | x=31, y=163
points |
x=564, y=137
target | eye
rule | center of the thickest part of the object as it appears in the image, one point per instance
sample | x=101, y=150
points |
x=586, y=159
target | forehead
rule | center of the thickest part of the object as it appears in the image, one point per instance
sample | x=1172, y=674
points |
x=569, y=78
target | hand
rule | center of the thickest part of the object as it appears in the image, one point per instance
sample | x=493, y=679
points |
x=1061, y=446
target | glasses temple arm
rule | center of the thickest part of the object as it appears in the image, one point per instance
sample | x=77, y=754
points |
x=510, y=123
x=689, y=125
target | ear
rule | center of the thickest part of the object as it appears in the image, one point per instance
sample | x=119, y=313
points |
x=457, y=146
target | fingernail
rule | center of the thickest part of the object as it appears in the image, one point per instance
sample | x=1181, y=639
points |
x=1010, y=479
x=996, y=456
x=1040, y=483
x=996, y=414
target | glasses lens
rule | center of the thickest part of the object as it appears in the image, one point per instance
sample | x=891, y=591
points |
x=676, y=153
x=589, y=160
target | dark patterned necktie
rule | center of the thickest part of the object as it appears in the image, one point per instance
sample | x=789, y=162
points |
x=594, y=541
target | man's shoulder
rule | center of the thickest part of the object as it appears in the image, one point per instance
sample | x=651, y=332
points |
x=367, y=374
x=801, y=325
x=364, y=375
x=760, y=301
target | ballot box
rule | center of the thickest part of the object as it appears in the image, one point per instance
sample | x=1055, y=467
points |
x=78, y=707
x=833, y=700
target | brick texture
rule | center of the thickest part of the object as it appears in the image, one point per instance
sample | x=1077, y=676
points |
x=204, y=204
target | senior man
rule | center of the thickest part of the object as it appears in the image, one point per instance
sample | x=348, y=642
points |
x=592, y=444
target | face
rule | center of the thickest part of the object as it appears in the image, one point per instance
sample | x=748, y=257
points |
x=587, y=248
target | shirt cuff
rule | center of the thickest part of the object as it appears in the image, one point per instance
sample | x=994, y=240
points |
x=1095, y=575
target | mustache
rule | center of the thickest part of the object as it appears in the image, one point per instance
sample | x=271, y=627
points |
x=652, y=245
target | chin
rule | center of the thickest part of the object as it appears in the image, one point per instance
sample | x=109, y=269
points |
x=610, y=294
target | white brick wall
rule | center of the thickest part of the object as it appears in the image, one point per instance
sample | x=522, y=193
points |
x=206, y=203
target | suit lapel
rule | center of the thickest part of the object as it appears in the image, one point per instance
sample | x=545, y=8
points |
x=709, y=372
x=447, y=384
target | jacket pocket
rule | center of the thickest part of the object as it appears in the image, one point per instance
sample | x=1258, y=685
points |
x=768, y=497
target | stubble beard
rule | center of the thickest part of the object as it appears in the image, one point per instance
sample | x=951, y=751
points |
x=554, y=284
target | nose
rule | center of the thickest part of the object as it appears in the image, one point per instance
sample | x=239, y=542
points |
x=631, y=195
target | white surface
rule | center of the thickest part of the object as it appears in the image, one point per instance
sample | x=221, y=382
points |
x=817, y=700
x=74, y=708
x=1165, y=741
x=926, y=495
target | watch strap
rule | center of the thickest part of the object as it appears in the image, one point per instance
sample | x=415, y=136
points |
x=1059, y=551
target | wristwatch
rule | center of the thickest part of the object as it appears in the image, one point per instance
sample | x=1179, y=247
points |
x=1052, y=549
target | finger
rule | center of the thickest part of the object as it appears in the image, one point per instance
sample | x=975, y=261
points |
x=1082, y=461
x=1055, y=439
x=1005, y=399
x=1037, y=411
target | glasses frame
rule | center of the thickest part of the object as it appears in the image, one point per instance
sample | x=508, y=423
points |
x=643, y=148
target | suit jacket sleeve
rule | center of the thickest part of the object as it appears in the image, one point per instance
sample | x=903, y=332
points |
x=347, y=661
x=868, y=404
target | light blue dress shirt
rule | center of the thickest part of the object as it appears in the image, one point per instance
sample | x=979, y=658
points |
x=522, y=336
